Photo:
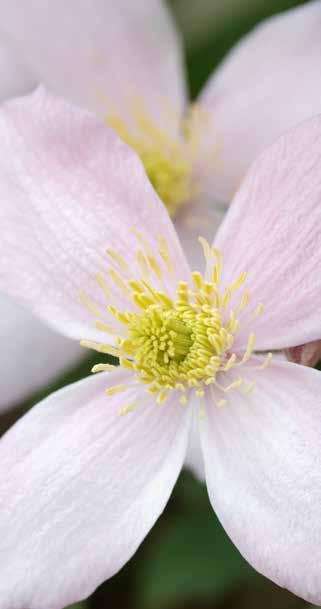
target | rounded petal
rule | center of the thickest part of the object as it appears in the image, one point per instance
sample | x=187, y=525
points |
x=111, y=55
x=70, y=188
x=263, y=469
x=16, y=78
x=81, y=486
x=268, y=83
x=273, y=232
x=31, y=353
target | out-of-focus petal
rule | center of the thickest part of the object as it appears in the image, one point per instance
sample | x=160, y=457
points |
x=31, y=354
x=70, y=188
x=269, y=82
x=81, y=486
x=194, y=457
x=102, y=55
x=197, y=219
x=307, y=355
x=273, y=232
x=16, y=78
x=263, y=469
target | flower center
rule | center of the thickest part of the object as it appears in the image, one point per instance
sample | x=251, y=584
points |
x=179, y=344
x=166, y=160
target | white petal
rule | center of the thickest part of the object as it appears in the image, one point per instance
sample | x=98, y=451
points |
x=101, y=54
x=263, y=469
x=80, y=488
x=272, y=231
x=70, y=189
x=31, y=354
x=16, y=78
x=200, y=218
x=194, y=457
x=268, y=83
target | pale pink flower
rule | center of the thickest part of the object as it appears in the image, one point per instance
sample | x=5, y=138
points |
x=84, y=475
x=123, y=60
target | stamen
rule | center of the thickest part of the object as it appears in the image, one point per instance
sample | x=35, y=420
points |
x=116, y=389
x=103, y=368
x=167, y=161
x=234, y=385
x=103, y=285
x=142, y=262
x=90, y=305
x=100, y=347
x=164, y=254
x=244, y=301
x=238, y=282
x=206, y=251
x=249, y=348
x=179, y=344
x=100, y=325
x=120, y=283
x=129, y=408
x=259, y=309
x=118, y=259
x=266, y=362
x=249, y=388
x=221, y=403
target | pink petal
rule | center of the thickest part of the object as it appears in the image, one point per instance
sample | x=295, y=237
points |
x=307, y=355
x=70, y=188
x=273, y=231
x=16, y=78
x=263, y=469
x=31, y=354
x=198, y=218
x=269, y=82
x=102, y=55
x=194, y=457
x=81, y=487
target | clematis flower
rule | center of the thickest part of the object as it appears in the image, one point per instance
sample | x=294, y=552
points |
x=124, y=62
x=85, y=474
x=195, y=156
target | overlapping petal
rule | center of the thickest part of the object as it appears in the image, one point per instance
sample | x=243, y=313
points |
x=70, y=188
x=31, y=354
x=80, y=488
x=263, y=469
x=194, y=457
x=200, y=218
x=267, y=84
x=273, y=232
x=16, y=78
x=104, y=56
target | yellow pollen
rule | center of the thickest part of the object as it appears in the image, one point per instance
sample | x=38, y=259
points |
x=166, y=159
x=176, y=344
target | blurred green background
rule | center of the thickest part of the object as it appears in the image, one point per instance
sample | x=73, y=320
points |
x=188, y=561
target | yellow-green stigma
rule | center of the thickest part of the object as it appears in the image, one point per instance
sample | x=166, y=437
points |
x=166, y=160
x=176, y=344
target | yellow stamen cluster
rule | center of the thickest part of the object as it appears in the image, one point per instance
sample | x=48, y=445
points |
x=176, y=344
x=169, y=160
x=165, y=159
